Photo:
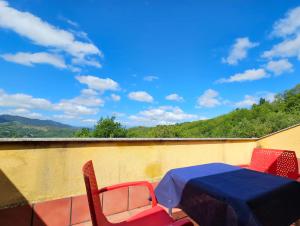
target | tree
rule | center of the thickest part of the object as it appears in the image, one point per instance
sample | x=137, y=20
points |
x=164, y=131
x=84, y=132
x=108, y=127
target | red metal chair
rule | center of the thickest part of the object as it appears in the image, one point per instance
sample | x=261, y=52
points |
x=277, y=162
x=155, y=216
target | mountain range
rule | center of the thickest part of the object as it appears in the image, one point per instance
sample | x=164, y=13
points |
x=17, y=127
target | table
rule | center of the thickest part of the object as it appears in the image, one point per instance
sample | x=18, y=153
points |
x=218, y=194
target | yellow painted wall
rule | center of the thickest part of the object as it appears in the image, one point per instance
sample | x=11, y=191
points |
x=288, y=139
x=38, y=171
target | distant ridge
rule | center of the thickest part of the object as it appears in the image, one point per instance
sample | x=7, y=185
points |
x=12, y=126
x=32, y=122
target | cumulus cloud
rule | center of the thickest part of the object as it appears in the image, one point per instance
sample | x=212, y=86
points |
x=22, y=112
x=249, y=100
x=99, y=84
x=20, y=100
x=44, y=34
x=288, y=25
x=81, y=105
x=150, y=78
x=174, y=97
x=29, y=59
x=248, y=75
x=287, y=48
x=280, y=66
x=89, y=121
x=74, y=109
x=88, y=92
x=287, y=28
x=163, y=115
x=210, y=98
x=239, y=50
x=115, y=97
x=141, y=96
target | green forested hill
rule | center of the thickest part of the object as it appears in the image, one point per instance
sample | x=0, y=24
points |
x=261, y=119
x=17, y=127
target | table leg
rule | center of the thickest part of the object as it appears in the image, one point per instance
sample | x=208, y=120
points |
x=170, y=212
x=297, y=223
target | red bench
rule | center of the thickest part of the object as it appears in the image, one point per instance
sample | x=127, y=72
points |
x=277, y=162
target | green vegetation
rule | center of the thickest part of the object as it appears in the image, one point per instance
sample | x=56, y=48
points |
x=106, y=127
x=261, y=119
x=19, y=130
x=17, y=127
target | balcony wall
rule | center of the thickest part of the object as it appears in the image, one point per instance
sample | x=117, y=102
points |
x=34, y=170
x=287, y=139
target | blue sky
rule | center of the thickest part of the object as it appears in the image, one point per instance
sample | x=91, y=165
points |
x=146, y=62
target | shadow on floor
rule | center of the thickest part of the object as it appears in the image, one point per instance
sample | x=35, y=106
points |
x=15, y=210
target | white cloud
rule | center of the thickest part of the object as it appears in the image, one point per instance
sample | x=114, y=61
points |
x=81, y=105
x=67, y=20
x=280, y=66
x=20, y=100
x=44, y=34
x=141, y=96
x=29, y=59
x=174, y=97
x=22, y=112
x=115, y=97
x=84, y=61
x=248, y=75
x=210, y=98
x=99, y=84
x=89, y=121
x=72, y=108
x=288, y=25
x=249, y=100
x=239, y=50
x=150, y=78
x=118, y=114
x=163, y=115
x=87, y=103
x=287, y=48
x=287, y=28
x=88, y=92
x=269, y=96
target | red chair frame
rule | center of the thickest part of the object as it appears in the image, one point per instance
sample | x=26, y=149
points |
x=156, y=216
x=277, y=162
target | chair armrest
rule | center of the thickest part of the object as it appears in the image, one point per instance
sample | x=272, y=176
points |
x=135, y=183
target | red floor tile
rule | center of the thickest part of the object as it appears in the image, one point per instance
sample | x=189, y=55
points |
x=52, y=213
x=115, y=201
x=138, y=197
x=88, y=223
x=17, y=216
x=80, y=209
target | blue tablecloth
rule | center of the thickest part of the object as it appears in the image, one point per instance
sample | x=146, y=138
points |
x=218, y=194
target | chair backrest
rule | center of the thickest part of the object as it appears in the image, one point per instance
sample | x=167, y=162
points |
x=98, y=218
x=277, y=162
